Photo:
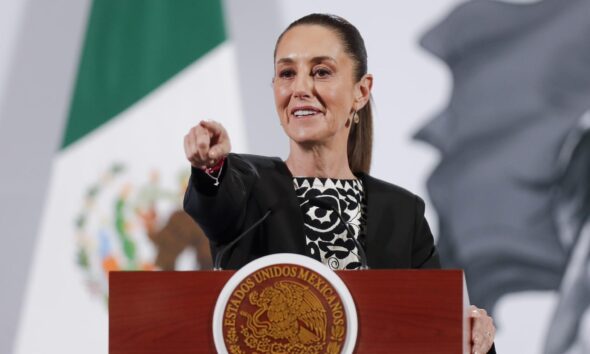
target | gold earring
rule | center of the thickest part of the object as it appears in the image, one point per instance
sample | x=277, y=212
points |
x=356, y=118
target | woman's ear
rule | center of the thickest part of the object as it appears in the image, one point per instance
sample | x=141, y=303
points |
x=363, y=91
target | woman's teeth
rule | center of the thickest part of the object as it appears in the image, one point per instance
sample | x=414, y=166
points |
x=302, y=113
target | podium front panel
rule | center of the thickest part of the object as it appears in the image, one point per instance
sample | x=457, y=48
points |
x=399, y=311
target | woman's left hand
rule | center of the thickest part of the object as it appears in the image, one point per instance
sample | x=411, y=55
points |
x=483, y=330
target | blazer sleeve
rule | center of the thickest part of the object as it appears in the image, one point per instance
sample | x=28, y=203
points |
x=424, y=253
x=220, y=210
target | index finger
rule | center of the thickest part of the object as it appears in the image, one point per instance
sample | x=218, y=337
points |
x=202, y=141
x=212, y=126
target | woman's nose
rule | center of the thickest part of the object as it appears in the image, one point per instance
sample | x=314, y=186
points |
x=302, y=86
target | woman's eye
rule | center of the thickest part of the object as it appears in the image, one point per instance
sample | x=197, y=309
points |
x=286, y=74
x=321, y=73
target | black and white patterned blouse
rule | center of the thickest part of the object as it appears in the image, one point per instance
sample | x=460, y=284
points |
x=327, y=238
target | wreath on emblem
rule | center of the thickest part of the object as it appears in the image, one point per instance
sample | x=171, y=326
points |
x=111, y=227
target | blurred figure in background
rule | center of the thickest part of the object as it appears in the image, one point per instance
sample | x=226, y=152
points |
x=511, y=189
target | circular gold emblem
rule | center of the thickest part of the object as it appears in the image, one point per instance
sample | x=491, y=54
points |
x=285, y=308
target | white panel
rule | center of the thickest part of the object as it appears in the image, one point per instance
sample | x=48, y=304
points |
x=522, y=320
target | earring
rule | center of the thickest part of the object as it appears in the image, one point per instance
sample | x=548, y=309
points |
x=356, y=118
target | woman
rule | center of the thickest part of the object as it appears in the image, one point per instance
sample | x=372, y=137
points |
x=322, y=94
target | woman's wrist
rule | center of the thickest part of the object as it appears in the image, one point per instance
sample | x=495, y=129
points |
x=214, y=172
x=215, y=169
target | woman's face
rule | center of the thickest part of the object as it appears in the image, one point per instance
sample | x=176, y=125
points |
x=314, y=86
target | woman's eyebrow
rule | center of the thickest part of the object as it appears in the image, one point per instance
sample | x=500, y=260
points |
x=322, y=58
x=314, y=60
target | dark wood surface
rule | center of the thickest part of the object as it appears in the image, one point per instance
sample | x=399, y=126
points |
x=400, y=311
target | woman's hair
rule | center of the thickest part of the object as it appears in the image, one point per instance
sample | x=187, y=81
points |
x=360, y=139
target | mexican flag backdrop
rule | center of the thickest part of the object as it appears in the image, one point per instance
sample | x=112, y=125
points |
x=148, y=71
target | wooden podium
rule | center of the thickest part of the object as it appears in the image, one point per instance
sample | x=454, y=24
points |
x=399, y=311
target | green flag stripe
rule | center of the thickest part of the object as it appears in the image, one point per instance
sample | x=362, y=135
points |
x=131, y=48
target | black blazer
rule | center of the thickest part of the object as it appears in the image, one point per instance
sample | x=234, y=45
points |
x=398, y=235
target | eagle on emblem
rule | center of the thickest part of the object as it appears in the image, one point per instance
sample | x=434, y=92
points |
x=287, y=310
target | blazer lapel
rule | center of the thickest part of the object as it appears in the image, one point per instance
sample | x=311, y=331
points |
x=290, y=216
x=378, y=227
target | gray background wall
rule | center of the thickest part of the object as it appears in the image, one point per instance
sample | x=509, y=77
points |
x=38, y=59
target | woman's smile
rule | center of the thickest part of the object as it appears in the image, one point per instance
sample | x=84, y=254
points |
x=306, y=112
